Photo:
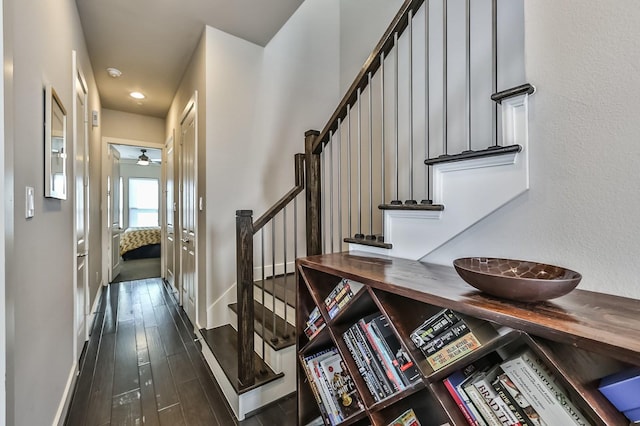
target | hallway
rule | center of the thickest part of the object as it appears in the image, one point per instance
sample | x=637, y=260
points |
x=142, y=366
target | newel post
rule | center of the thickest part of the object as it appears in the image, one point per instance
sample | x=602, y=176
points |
x=244, y=287
x=313, y=194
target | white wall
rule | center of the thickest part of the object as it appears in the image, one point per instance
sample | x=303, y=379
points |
x=39, y=285
x=362, y=24
x=581, y=210
x=125, y=125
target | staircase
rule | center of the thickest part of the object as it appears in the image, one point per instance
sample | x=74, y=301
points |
x=422, y=146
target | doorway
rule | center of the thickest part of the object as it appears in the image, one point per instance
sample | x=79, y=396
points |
x=134, y=215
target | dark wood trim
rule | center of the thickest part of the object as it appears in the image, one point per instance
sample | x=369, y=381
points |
x=419, y=207
x=468, y=155
x=514, y=91
x=244, y=287
x=371, y=65
x=313, y=194
x=288, y=197
x=368, y=242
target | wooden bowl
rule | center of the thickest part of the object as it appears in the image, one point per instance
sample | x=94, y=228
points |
x=517, y=279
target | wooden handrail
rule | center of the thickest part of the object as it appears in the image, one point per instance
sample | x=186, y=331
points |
x=371, y=65
x=286, y=199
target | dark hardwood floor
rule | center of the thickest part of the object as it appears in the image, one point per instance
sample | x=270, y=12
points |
x=142, y=365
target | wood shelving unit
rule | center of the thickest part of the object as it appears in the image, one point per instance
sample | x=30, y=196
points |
x=581, y=337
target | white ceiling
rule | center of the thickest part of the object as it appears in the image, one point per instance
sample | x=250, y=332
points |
x=133, y=152
x=151, y=42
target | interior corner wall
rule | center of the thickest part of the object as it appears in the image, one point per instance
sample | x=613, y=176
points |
x=193, y=80
x=126, y=125
x=40, y=288
x=362, y=25
x=581, y=210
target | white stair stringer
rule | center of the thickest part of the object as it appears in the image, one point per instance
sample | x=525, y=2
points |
x=469, y=190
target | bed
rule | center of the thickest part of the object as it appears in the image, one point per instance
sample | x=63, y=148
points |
x=140, y=243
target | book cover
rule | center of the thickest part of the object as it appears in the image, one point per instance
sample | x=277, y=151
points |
x=538, y=394
x=400, y=359
x=408, y=418
x=517, y=397
x=491, y=397
x=551, y=383
x=502, y=392
x=312, y=383
x=341, y=386
x=454, y=351
x=332, y=295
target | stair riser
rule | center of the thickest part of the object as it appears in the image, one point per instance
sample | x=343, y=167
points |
x=277, y=360
x=279, y=304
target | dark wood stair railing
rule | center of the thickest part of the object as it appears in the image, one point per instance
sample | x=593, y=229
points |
x=246, y=228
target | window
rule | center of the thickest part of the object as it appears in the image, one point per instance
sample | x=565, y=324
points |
x=143, y=202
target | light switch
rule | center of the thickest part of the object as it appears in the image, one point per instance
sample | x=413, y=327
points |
x=94, y=118
x=30, y=208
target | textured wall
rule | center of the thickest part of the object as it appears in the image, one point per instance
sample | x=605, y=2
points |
x=581, y=211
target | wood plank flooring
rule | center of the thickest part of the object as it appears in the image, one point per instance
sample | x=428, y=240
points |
x=143, y=366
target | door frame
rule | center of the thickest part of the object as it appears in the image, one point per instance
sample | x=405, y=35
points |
x=164, y=218
x=105, y=236
x=78, y=76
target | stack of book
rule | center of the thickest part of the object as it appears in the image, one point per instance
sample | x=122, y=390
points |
x=314, y=324
x=448, y=336
x=518, y=391
x=408, y=418
x=340, y=296
x=385, y=367
x=332, y=386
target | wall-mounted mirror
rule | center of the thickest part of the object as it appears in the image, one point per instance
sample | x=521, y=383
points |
x=55, y=146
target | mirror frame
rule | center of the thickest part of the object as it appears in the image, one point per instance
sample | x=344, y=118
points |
x=55, y=146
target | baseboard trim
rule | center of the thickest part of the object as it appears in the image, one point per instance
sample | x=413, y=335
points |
x=65, y=402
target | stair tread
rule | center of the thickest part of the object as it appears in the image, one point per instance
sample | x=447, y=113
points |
x=223, y=342
x=468, y=155
x=282, y=342
x=367, y=242
x=418, y=207
x=279, y=283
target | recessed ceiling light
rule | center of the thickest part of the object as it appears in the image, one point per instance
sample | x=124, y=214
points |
x=136, y=95
x=114, y=72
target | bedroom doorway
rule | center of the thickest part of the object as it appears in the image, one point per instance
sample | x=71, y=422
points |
x=134, y=200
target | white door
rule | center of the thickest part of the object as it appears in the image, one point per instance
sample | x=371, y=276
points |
x=170, y=205
x=114, y=200
x=81, y=186
x=188, y=202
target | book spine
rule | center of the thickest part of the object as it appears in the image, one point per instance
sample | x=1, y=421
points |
x=478, y=401
x=538, y=395
x=376, y=392
x=496, y=404
x=475, y=413
x=334, y=413
x=331, y=297
x=456, y=397
x=454, y=351
x=403, y=363
x=315, y=391
x=511, y=403
x=384, y=347
x=361, y=342
x=457, y=330
x=317, y=377
x=382, y=357
x=547, y=378
x=434, y=326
